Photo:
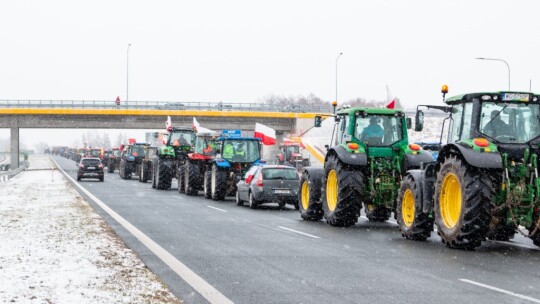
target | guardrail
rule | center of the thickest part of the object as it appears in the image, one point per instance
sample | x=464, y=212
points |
x=6, y=175
x=163, y=105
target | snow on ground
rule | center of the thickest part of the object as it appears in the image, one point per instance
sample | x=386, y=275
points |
x=56, y=249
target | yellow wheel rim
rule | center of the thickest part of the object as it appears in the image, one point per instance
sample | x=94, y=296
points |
x=407, y=208
x=450, y=200
x=332, y=190
x=305, y=195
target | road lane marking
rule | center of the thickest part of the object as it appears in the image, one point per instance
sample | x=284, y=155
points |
x=299, y=232
x=217, y=209
x=501, y=290
x=208, y=291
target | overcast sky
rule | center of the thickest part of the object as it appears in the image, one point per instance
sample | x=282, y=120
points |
x=242, y=51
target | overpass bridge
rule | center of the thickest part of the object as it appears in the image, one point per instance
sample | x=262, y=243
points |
x=148, y=115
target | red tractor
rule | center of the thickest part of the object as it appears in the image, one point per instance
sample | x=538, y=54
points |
x=199, y=162
x=290, y=153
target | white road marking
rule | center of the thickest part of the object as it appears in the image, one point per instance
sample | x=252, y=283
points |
x=501, y=291
x=217, y=208
x=204, y=288
x=299, y=232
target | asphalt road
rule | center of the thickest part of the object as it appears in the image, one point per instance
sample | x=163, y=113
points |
x=273, y=256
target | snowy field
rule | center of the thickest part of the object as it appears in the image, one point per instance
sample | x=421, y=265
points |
x=56, y=249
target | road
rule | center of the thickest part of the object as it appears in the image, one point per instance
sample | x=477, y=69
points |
x=272, y=256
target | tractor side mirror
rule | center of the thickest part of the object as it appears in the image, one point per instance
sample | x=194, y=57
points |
x=318, y=121
x=409, y=122
x=419, y=121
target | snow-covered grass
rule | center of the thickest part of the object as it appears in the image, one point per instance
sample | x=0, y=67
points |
x=55, y=248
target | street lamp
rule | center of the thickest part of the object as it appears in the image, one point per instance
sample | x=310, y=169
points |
x=496, y=59
x=127, y=73
x=336, y=71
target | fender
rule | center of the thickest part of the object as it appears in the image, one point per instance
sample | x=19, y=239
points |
x=222, y=163
x=425, y=180
x=355, y=159
x=315, y=173
x=487, y=160
x=413, y=161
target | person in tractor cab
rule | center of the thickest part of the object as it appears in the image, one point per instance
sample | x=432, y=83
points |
x=228, y=151
x=210, y=147
x=373, y=133
x=496, y=126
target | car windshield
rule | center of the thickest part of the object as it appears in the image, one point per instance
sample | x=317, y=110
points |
x=378, y=130
x=236, y=150
x=279, y=173
x=510, y=122
x=90, y=162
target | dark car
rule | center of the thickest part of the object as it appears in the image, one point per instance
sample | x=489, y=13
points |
x=90, y=168
x=269, y=184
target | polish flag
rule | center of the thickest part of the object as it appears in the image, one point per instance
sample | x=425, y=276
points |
x=197, y=127
x=267, y=134
x=168, y=124
x=390, y=100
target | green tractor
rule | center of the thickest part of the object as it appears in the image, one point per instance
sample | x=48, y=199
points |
x=170, y=159
x=484, y=183
x=364, y=166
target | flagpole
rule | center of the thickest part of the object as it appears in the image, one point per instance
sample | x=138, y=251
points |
x=337, y=74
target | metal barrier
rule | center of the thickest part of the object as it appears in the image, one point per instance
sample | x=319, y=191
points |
x=163, y=105
x=6, y=175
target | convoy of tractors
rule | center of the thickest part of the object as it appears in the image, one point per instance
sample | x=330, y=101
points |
x=481, y=184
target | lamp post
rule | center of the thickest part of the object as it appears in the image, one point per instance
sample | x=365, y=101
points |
x=336, y=71
x=496, y=59
x=127, y=73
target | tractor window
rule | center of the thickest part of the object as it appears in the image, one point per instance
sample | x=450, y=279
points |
x=181, y=139
x=137, y=151
x=241, y=150
x=455, y=123
x=467, y=120
x=510, y=123
x=342, y=130
x=378, y=130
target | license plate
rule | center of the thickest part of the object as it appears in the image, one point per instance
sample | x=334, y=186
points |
x=282, y=191
x=91, y=168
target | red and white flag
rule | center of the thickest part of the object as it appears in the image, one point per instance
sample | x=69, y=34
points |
x=267, y=134
x=197, y=127
x=390, y=100
x=196, y=124
x=168, y=124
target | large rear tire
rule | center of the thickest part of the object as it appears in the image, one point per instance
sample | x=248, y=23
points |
x=309, y=198
x=342, y=192
x=207, y=184
x=181, y=175
x=218, y=183
x=191, y=178
x=413, y=223
x=164, y=175
x=463, y=204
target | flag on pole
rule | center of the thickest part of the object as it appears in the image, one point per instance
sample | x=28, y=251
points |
x=197, y=127
x=390, y=100
x=267, y=134
x=168, y=124
x=196, y=124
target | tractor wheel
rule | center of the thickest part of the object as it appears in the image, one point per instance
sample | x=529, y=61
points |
x=463, y=204
x=413, y=223
x=377, y=214
x=218, y=183
x=164, y=175
x=535, y=235
x=144, y=174
x=342, y=191
x=500, y=230
x=191, y=176
x=309, y=198
x=207, y=184
x=110, y=167
x=181, y=175
x=153, y=175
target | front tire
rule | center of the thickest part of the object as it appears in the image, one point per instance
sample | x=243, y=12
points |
x=181, y=175
x=377, y=213
x=164, y=175
x=218, y=183
x=207, y=184
x=309, y=198
x=463, y=204
x=343, y=188
x=413, y=223
x=191, y=178
x=500, y=230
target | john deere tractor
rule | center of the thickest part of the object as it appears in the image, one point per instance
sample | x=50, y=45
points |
x=484, y=183
x=367, y=155
x=170, y=159
x=235, y=155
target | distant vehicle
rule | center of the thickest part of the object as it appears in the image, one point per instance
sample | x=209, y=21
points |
x=226, y=107
x=172, y=106
x=293, y=108
x=91, y=168
x=269, y=184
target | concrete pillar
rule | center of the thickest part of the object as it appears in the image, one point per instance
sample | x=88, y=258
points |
x=14, y=144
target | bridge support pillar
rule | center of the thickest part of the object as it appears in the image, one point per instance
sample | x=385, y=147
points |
x=14, y=144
